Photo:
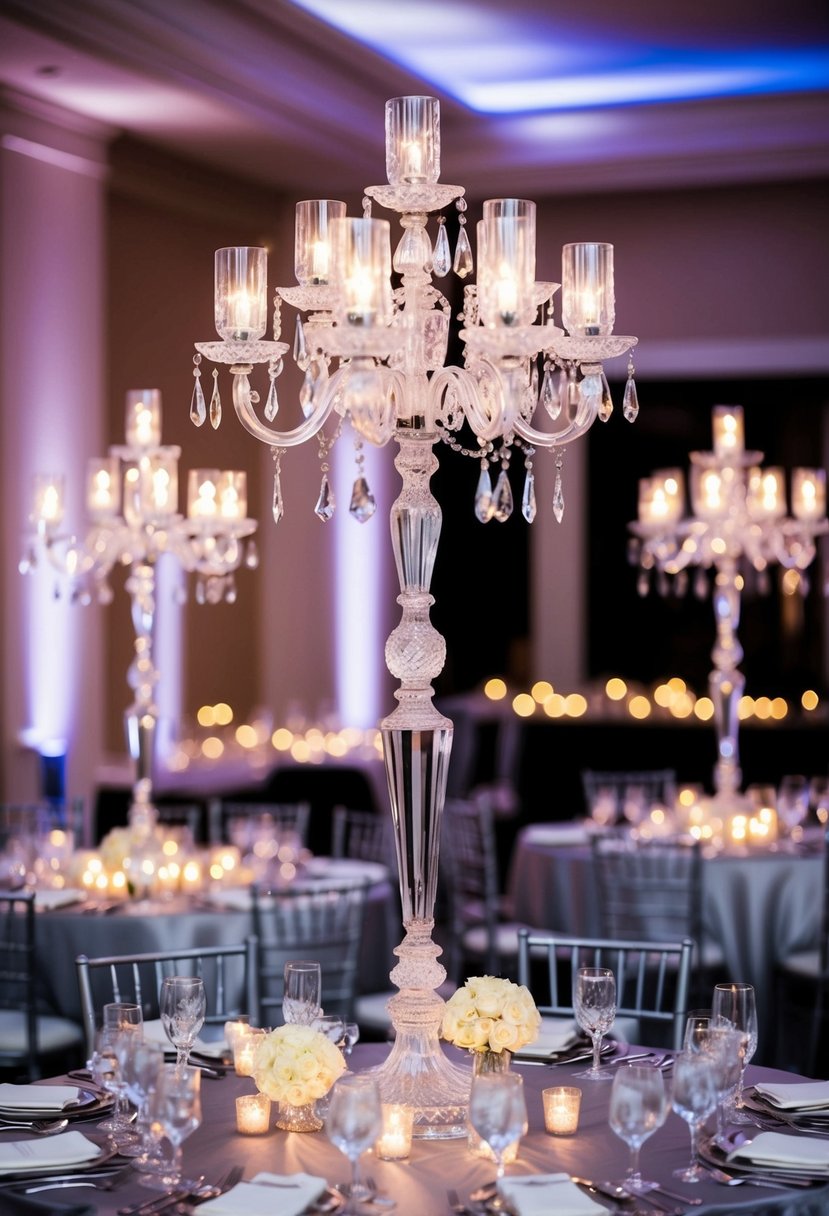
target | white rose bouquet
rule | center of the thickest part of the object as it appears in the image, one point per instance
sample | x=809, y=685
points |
x=296, y=1065
x=490, y=1014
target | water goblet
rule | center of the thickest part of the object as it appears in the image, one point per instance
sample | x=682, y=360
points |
x=697, y=1027
x=734, y=1005
x=724, y=1045
x=332, y=1026
x=353, y=1122
x=793, y=805
x=498, y=1113
x=140, y=1063
x=638, y=1106
x=594, y=1004
x=105, y=1071
x=302, y=991
x=694, y=1098
x=182, y=1006
x=120, y=1015
x=174, y=1104
x=352, y=1036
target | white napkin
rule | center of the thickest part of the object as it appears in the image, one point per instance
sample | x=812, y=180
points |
x=48, y=898
x=541, y=1194
x=154, y=1032
x=266, y=1195
x=804, y=1095
x=69, y=1148
x=237, y=898
x=559, y=833
x=555, y=1035
x=37, y=1097
x=778, y=1149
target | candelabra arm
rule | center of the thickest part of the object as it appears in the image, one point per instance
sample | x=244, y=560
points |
x=546, y=439
x=243, y=404
x=726, y=682
x=142, y=715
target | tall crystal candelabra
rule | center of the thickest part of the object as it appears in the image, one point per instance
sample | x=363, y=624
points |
x=132, y=500
x=738, y=518
x=374, y=356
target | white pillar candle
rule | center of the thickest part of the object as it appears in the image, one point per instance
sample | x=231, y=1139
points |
x=727, y=426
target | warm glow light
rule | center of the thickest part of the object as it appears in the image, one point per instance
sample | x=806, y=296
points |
x=212, y=747
x=246, y=736
x=662, y=695
x=762, y=708
x=810, y=700
x=541, y=690
x=282, y=739
x=205, y=716
x=791, y=582
x=523, y=705
x=223, y=714
x=300, y=751
x=639, y=707
x=554, y=705
x=677, y=684
x=779, y=708
x=575, y=705
x=745, y=708
x=495, y=689
x=704, y=709
x=616, y=689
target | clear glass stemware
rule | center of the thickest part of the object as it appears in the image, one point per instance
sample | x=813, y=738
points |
x=638, y=1106
x=353, y=1122
x=175, y=1105
x=302, y=992
x=594, y=1005
x=498, y=1113
x=734, y=1006
x=694, y=1098
x=182, y=1006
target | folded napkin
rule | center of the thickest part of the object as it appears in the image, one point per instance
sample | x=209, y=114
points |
x=154, y=1032
x=541, y=1194
x=69, y=1148
x=558, y=833
x=556, y=1034
x=267, y=1195
x=37, y=1097
x=804, y=1095
x=48, y=898
x=790, y=1152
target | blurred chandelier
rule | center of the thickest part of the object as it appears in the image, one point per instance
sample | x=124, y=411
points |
x=738, y=523
x=375, y=356
x=132, y=500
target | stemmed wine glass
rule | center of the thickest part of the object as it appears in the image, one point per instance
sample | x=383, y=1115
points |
x=734, y=1006
x=694, y=1098
x=302, y=991
x=594, y=1004
x=175, y=1105
x=498, y=1113
x=353, y=1122
x=140, y=1063
x=793, y=805
x=182, y=1006
x=105, y=1071
x=638, y=1106
x=724, y=1045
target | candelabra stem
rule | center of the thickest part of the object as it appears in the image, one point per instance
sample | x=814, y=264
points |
x=142, y=715
x=417, y=742
x=726, y=682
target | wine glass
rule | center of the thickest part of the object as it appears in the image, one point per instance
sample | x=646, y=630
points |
x=498, y=1113
x=353, y=1122
x=793, y=804
x=182, y=1006
x=332, y=1026
x=819, y=798
x=724, y=1045
x=697, y=1027
x=638, y=1106
x=594, y=1004
x=121, y=1015
x=175, y=1105
x=301, y=995
x=140, y=1063
x=734, y=1005
x=352, y=1036
x=694, y=1098
x=105, y=1071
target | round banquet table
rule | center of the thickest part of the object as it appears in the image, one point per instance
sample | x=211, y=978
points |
x=419, y=1184
x=222, y=917
x=758, y=907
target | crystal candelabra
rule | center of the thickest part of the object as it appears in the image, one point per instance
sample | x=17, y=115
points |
x=738, y=516
x=132, y=500
x=374, y=355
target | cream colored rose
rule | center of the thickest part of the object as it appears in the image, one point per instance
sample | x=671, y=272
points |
x=504, y=1035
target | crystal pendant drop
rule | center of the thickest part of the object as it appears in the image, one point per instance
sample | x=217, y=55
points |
x=484, y=505
x=198, y=405
x=551, y=393
x=528, y=507
x=558, y=498
x=502, y=499
x=306, y=394
x=630, y=402
x=463, y=264
x=272, y=404
x=606, y=403
x=251, y=556
x=414, y=252
x=300, y=348
x=325, y=503
x=215, y=404
x=700, y=584
x=643, y=584
x=362, y=505
x=441, y=254
x=278, y=507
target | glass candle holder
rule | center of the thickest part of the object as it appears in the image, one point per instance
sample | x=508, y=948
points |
x=312, y=239
x=232, y=494
x=412, y=140
x=809, y=494
x=361, y=251
x=103, y=487
x=662, y=497
x=235, y=1027
x=203, y=493
x=253, y=1114
x=48, y=499
x=244, y=1049
x=709, y=492
x=727, y=429
x=161, y=484
x=395, y=1141
x=561, y=1109
x=143, y=418
x=766, y=493
x=588, y=299
x=506, y=272
x=514, y=208
x=240, y=293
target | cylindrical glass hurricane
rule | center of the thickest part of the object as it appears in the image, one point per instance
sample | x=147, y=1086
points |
x=588, y=302
x=514, y=208
x=766, y=493
x=809, y=494
x=412, y=140
x=506, y=272
x=143, y=417
x=361, y=252
x=240, y=293
x=103, y=487
x=312, y=239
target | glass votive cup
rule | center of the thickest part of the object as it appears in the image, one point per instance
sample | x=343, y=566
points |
x=561, y=1109
x=395, y=1141
x=233, y=1028
x=253, y=1114
x=244, y=1049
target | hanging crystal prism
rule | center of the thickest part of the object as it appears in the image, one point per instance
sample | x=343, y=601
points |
x=300, y=347
x=630, y=401
x=215, y=402
x=528, y=505
x=325, y=503
x=198, y=405
x=306, y=393
x=463, y=264
x=484, y=505
x=441, y=254
x=362, y=505
x=414, y=251
x=272, y=403
x=551, y=391
x=277, y=507
x=590, y=398
x=502, y=499
x=606, y=403
x=558, y=492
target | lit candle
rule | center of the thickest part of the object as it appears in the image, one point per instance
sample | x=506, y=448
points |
x=191, y=876
x=48, y=500
x=361, y=269
x=163, y=484
x=561, y=1109
x=312, y=244
x=395, y=1141
x=240, y=293
x=244, y=1049
x=765, y=493
x=143, y=417
x=727, y=425
x=661, y=497
x=253, y=1113
x=233, y=1029
x=202, y=493
x=412, y=140
x=588, y=302
x=231, y=494
x=103, y=487
x=809, y=494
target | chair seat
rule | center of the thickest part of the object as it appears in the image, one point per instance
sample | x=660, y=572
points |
x=53, y=1034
